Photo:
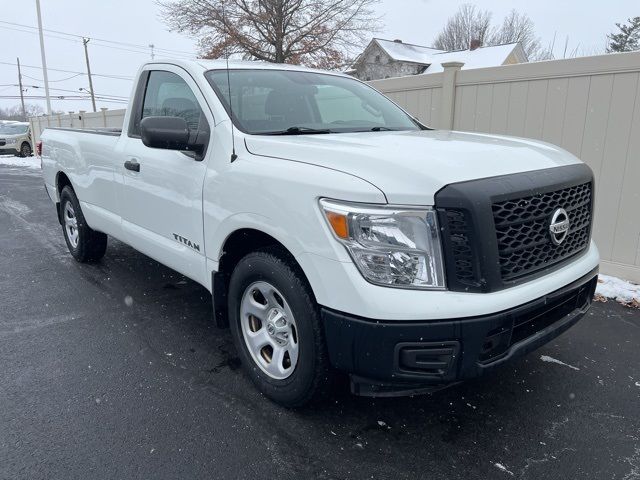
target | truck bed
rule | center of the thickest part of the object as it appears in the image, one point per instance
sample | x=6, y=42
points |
x=86, y=156
x=98, y=131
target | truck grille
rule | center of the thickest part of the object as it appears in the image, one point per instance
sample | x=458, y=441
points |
x=522, y=229
x=459, y=235
x=3, y=142
x=496, y=230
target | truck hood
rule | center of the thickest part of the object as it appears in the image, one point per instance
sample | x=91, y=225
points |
x=410, y=167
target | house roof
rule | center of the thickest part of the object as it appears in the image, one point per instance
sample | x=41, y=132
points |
x=491, y=56
x=432, y=58
x=407, y=52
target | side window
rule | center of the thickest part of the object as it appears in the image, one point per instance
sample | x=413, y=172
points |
x=168, y=95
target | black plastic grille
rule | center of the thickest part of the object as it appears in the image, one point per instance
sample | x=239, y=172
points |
x=459, y=236
x=522, y=229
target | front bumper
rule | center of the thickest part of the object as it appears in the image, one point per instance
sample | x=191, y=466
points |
x=5, y=150
x=395, y=357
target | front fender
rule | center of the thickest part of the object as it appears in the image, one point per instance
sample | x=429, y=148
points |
x=279, y=198
x=252, y=221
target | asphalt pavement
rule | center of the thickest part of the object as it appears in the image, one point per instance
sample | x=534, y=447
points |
x=115, y=370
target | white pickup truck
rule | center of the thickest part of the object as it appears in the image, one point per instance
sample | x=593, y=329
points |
x=334, y=231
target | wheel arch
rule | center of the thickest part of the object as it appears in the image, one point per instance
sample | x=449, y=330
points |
x=235, y=246
x=62, y=180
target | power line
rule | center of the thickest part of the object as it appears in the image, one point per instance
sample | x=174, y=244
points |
x=62, y=97
x=123, y=97
x=27, y=87
x=54, y=81
x=73, y=40
x=116, y=77
x=126, y=44
x=35, y=33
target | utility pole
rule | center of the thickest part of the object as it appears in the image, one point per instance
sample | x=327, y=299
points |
x=44, y=59
x=24, y=112
x=86, y=56
x=152, y=46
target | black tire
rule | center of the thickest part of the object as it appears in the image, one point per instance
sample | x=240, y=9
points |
x=91, y=245
x=25, y=150
x=311, y=378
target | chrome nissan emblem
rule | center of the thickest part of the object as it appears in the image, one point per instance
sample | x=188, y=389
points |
x=559, y=227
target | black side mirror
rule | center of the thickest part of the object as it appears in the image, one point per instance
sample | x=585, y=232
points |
x=171, y=133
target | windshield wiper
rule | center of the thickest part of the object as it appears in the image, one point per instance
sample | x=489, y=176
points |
x=299, y=131
x=382, y=129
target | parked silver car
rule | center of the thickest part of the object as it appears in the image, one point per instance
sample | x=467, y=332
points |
x=15, y=139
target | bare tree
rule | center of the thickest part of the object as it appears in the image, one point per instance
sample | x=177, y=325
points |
x=518, y=27
x=318, y=33
x=470, y=23
x=15, y=112
x=467, y=24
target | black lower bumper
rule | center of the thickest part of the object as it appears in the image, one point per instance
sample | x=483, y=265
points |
x=9, y=151
x=403, y=357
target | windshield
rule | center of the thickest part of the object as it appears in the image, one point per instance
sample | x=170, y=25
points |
x=292, y=102
x=12, y=129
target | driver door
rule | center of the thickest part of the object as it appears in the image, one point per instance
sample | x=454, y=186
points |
x=161, y=190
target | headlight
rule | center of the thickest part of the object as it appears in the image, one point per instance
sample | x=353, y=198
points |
x=391, y=246
x=11, y=141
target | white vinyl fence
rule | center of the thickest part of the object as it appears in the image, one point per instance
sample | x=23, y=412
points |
x=102, y=119
x=589, y=106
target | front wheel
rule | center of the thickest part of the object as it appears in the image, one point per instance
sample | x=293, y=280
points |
x=276, y=327
x=84, y=243
x=25, y=150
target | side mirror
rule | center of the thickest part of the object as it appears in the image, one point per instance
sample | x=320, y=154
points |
x=171, y=133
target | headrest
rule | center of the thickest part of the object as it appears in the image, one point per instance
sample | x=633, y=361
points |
x=177, y=104
x=276, y=104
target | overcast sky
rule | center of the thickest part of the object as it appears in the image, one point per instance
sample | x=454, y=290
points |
x=584, y=22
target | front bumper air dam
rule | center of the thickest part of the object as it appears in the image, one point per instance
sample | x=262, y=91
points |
x=393, y=358
x=9, y=151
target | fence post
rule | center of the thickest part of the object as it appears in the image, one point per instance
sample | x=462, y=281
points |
x=449, y=93
x=104, y=116
x=81, y=117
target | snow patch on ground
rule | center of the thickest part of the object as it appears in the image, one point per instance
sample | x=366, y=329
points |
x=11, y=161
x=622, y=291
x=548, y=359
x=499, y=466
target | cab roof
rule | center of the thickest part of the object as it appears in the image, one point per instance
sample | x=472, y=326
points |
x=221, y=64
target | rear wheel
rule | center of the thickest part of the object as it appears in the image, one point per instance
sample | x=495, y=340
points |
x=275, y=324
x=85, y=244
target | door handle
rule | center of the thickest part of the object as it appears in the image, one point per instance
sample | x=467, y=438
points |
x=132, y=165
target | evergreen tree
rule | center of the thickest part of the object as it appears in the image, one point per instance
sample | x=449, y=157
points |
x=628, y=39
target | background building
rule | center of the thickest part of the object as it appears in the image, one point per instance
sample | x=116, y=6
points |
x=394, y=58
